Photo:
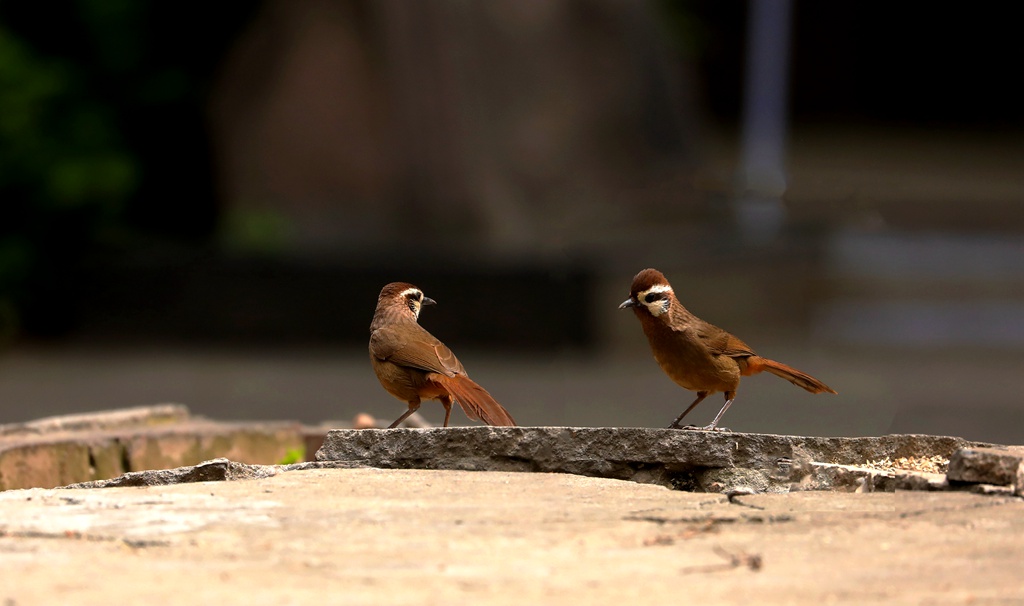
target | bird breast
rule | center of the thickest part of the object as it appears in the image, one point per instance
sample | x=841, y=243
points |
x=688, y=362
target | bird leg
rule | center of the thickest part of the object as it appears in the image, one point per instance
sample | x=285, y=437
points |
x=414, y=405
x=729, y=397
x=700, y=396
x=446, y=401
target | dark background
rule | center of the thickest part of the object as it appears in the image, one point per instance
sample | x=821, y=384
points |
x=199, y=202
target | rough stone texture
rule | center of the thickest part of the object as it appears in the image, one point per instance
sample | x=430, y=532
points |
x=43, y=464
x=918, y=480
x=992, y=489
x=850, y=478
x=79, y=448
x=985, y=465
x=689, y=460
x=201, y=440
x=1019, y=484
x=385, y=536
x=215, y=470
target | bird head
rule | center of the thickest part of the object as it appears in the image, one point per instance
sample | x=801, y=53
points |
x=404, y=297
x=650, y=293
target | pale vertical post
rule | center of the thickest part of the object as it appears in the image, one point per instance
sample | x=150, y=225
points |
x=761, y=174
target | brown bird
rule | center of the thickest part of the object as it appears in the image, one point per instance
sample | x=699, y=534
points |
x=699, y=356
x=413, y=365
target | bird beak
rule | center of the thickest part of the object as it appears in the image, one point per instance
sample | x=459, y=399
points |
x=628, y=303
x=428, y=301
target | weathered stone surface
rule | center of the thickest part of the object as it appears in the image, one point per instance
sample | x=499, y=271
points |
x=690, y=460
x=215, y=470
x=850, y=478
x=404, y=537
x=1019, y=484
x=43, y=464
x=992, y=490
x=919, y=480
x=201, y=440
x=985, y=465
x=58, y=451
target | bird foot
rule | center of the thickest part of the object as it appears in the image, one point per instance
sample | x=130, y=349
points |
x=713, y=428
x=696, y=428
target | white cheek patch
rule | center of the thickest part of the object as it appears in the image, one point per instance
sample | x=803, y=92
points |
x=416, y=303
x=659, y=306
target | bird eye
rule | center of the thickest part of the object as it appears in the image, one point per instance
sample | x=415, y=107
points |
x=416, y=296
x=651, y=297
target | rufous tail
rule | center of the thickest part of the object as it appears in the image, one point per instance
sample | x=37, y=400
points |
x=756, y=364
x=475, y=401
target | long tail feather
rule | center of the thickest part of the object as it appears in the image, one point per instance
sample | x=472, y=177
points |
x=476, y=402
x=756, y=364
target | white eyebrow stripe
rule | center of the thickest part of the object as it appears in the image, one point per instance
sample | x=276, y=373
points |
x=659, y=288
x=409, y=291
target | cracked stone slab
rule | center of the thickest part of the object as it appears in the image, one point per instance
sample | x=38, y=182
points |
x=689, y=460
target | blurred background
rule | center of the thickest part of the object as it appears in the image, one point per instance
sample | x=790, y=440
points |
x=199, y=203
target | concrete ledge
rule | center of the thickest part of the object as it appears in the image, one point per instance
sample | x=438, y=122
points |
x=80, y=448
x=688, y=460
x=139, y=416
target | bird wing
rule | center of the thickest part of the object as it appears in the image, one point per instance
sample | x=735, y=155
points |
x=412, y=346
x=722, y=343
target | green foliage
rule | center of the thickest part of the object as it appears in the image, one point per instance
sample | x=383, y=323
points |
x=63, y=170
x=102, y=139
x=59, y=149
x=256, y=232
x=293, y=455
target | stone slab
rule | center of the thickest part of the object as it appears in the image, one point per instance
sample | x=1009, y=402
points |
x=56, y=452
x=986, y=465
x=688, y=460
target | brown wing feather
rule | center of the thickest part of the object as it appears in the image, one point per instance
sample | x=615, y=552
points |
x=414, y=347
x=722, y=343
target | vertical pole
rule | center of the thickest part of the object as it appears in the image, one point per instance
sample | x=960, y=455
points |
x=762, y=177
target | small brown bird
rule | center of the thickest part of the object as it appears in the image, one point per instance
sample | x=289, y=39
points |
x=699, y=356
x=413, y=365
